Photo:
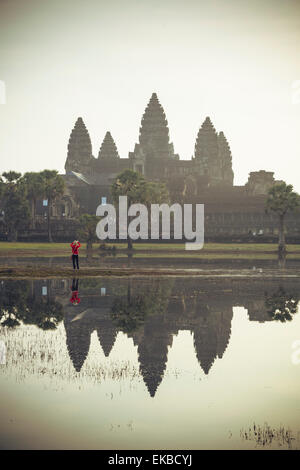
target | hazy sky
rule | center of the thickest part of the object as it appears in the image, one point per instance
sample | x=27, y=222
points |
x=236, y=61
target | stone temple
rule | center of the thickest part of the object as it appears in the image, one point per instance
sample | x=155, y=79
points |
x=231, y=212
x=153, y=155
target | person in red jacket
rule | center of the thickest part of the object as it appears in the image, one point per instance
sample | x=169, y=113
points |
x=74, y=288
x=75, y=246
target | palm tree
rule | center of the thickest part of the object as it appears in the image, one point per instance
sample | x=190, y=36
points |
x=54, y=187
x=133, y=185
x=35, y=190
x=15, y=204
x=88, y=223
x=11, y=176
x=282, y=199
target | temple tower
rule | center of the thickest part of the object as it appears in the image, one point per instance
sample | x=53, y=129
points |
x=78, y=338
x=213, y=155
x=211, y=335
x=107, y=334
x=259, y=182
x=225, y=159
x=206, y=150
x=153, y=353
x=79, y=156
x=205, y=344
x=154, y=150
x=108, y=149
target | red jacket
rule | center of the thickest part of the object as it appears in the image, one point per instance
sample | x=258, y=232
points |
x=75, y=299
x=75, y=248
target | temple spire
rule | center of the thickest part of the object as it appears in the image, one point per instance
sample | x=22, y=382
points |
x=154, y=146
x=79, y=148
x=213, y=155
x=206, y=147
x=154, y=132
x=225, y=159
x=78, y=339
x=107, y=334
x=108, y=149
x=205, y=344
x=153, y=350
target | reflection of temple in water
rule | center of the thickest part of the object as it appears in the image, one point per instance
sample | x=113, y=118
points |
x=153, y=344
x=202, y=307
x=80, y=324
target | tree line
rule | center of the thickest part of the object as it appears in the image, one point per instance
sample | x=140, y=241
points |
x=280, y=200
x=19, y=195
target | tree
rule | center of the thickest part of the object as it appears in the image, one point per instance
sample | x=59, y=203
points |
x=282, y=199
x=156, y=193
x=2, y=185
x=282, y=305
x=44, y=313
x=13, y=302
x=131, y=184
x=138, y=191
x=129, y=314
x=12, y=176
x=15, y=204
x=18, y=304
x=131, y=311
x=35, y=189
x=54, y=187
x=87, y=231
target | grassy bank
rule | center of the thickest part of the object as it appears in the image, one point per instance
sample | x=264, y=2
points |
x=149, y=249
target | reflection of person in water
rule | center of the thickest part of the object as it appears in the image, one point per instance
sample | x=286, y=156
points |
x=74, y=288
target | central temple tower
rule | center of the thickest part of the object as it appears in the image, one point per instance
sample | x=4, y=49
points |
x=154, y=150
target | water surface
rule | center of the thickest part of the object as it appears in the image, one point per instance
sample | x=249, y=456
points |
x=150, y=363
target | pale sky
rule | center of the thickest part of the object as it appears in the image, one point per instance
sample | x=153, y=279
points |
x=233, y=60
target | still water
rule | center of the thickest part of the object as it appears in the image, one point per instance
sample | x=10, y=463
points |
x=166, y=363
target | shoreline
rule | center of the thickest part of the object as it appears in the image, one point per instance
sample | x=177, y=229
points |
x=18, y=272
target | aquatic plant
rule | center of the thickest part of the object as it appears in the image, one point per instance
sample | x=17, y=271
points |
x=265, y=435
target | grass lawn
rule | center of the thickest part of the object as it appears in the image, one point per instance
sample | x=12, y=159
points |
x=19, y=246
x=213, y=250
